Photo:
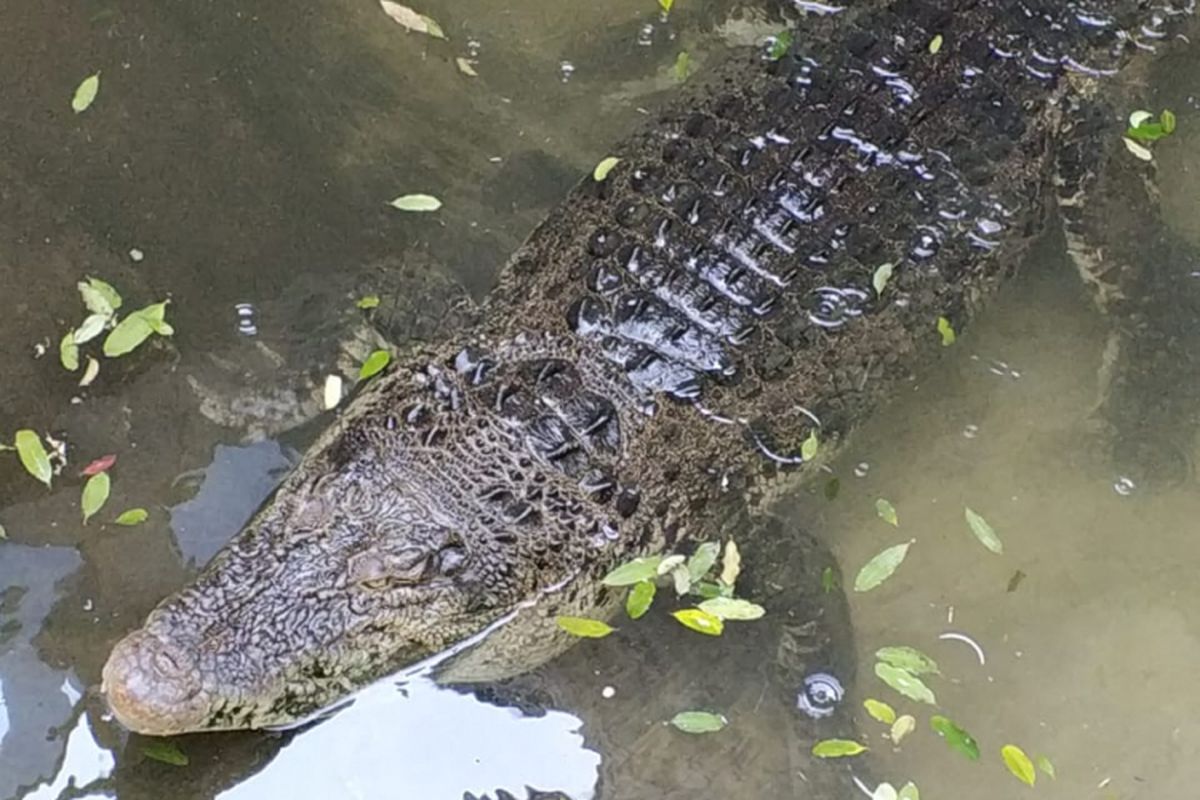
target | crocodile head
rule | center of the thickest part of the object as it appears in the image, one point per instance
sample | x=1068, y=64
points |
x=338, y=581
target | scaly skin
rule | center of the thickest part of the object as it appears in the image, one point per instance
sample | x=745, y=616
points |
x=665, y=335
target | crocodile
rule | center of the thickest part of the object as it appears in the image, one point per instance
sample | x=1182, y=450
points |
x=655, y=354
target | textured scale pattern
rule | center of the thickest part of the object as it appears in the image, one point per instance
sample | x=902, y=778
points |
x=663, y=342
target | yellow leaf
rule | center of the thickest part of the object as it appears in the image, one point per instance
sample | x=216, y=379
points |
x=1018, y=764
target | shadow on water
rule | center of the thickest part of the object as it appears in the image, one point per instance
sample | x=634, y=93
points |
x=248, y=155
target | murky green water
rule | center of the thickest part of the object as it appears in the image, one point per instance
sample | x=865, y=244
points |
x=248, y=155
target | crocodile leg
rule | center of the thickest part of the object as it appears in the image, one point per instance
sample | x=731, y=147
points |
x=1141, y=278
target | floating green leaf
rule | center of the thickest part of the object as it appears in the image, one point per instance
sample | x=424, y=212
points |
x=837, y=748
x=935, y=44
x=702, y=560
x=639, y=599
x=639, y=569
x=582, y=626
x=682, y=579
x=136, y=328
x=166, y=752
x=887, y=512
x=99, y=297
x=416, y=202
x=829, y=580
x=466, y=67
x=909, y=659
x=132, y=516
x=1046, y=766
x=374, y=364
x=885, y=791
x=604, y=167
x=1019, y=764
x=1167, y=118
x=33, y=455
x=413, y=21
x=880, y=710
x=881, y=567
x=732, y=608
x=779, y=46
x=903, y=726
x=883, y=274
x=808, y=449
x=68, y=352
x=905, y=683
x=957, y=738
x=708, y=590
x=909, y=792
x=947, y=331
x=1143, y=129
x=85, y=93
x=369, y=301
x=699, y=721
x=682, y=67
x=983, y=532
x=95, y=494
x=665, y=5
x=699, y=621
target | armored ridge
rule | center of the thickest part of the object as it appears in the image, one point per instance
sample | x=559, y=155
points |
x=659, y=347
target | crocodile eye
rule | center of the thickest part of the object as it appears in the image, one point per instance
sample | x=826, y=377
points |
x=376, y=584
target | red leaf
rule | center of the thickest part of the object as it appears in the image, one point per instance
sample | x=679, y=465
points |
x=99, y=465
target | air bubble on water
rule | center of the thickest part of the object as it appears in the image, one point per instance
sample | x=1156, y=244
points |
x=473, y=47
x=1124, y=486
x=245, y=319
x=861, y=469
x=971, y=431
x=645, y=36
x=136, y=255
x=567, y=69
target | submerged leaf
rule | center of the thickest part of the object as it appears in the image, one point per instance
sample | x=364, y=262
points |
x=837, y=748
x=604, y=167
x=957, y=738
x=880, y=710
x=829, y=580
x=639, y=599
x=33, y=455
x=1019, y=764
x=374, y=364
x=91, y=327
x=1046, y=766
x=699, y=621
x=903, y=726
x=682, y=67
x=983, y=532
x=584, y=627
x=635, y=571
x=166, y=752
x=132, y=516
x=909, y=792
x=1137, y=149
x=885, y=791
x=466, y=67
x=779, y=46
x=905, y=683
x=881, y=567
x=947, y=331
x=732, y=608
x=887, y=512
x=909, y=659
x=85, y=93
x=95, y=494
x=699, y=721
x=416, y=202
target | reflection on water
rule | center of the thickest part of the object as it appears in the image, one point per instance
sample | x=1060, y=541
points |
x=421, y=740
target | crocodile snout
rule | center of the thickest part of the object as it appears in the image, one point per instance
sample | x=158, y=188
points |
x=153, y=687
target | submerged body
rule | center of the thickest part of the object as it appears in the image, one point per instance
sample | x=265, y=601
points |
x=656, y=352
